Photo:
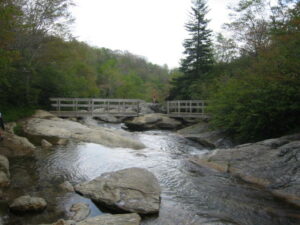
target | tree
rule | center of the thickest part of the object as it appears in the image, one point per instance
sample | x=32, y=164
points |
x=198, y=58
x=250, y=25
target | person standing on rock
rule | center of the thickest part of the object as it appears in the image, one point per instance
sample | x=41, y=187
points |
x=1, y=126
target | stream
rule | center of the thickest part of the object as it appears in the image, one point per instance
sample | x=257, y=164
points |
x=191, y=195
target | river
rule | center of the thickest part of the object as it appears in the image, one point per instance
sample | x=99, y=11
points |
x=190, y=195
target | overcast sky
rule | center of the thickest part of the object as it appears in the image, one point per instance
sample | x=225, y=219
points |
x=150, y=28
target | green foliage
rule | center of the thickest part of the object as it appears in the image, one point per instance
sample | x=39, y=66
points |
x=39, y=60
x=258, y=97
x=13, y=113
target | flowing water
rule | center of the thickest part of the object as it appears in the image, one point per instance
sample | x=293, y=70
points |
x=190, y=195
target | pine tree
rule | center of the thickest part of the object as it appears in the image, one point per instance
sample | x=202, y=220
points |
x=198, y=52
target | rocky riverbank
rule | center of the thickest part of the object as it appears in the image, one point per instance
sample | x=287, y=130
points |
x=273, y=164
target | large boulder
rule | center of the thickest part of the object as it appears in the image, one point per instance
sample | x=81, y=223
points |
x=55, y=128
x=273, y=164
x=27, y=203
x=153, y=121
x=205, y=136
x=131, y=190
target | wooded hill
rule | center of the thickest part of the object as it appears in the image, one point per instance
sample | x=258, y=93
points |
x=39, y=59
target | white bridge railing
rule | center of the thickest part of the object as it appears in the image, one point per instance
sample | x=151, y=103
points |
x=74, y=107
x=186, y=108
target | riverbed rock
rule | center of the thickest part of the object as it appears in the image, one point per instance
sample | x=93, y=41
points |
x=67, y=186
x=13, y=145
x=46, y=144
x=4, y=172
x=27, y=203
x=56, y=128
x=153, y=121
x=131, y=190
x=81, y=211
x=116, y=219
x=205, y=136
x=108, y=118
x=105, y=219
x=4, y=179
x=273, y=164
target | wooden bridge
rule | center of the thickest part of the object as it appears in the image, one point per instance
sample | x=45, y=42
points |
x=187, y=108
x=94, y=107
x=81, y=107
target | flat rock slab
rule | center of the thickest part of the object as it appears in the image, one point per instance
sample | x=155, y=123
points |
x=131, y=190
x=27, y=203
x=53, y=127
x=273, y=164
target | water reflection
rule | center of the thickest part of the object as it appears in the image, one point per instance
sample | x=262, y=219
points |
x=190, y=195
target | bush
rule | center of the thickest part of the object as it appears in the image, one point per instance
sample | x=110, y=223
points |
x=11, y=114
x=254, y=107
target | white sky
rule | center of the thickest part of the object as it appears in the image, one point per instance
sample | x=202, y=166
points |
x=150, y=28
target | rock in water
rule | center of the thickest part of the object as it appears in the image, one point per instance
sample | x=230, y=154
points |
x=67, y=186
x=46, y=144
x=117, y=219
x=105, y=219
x=56, y=128
x=81, y=211
x=273, y=164
x=26, y=203
x=153, y=121
x=131, y=190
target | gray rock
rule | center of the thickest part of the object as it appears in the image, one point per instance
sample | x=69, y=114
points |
x=131, y=190
x=105, y=219
x=13, y=145
x=212, y=139
x=81, y=211
x=153, y=121
x=205, y=136
x=56, y=128
x=4, y=172
x=27, y=203
x=108, y=118
x=62, y=141
x=62, y=222
x=195, y=129
x=4, y=164
x=116, y=219
x=46, y=144
x=4, y=179
x=67, y=186
x=273, y=164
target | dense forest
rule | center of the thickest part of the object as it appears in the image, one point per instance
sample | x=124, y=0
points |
x=249, y=74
